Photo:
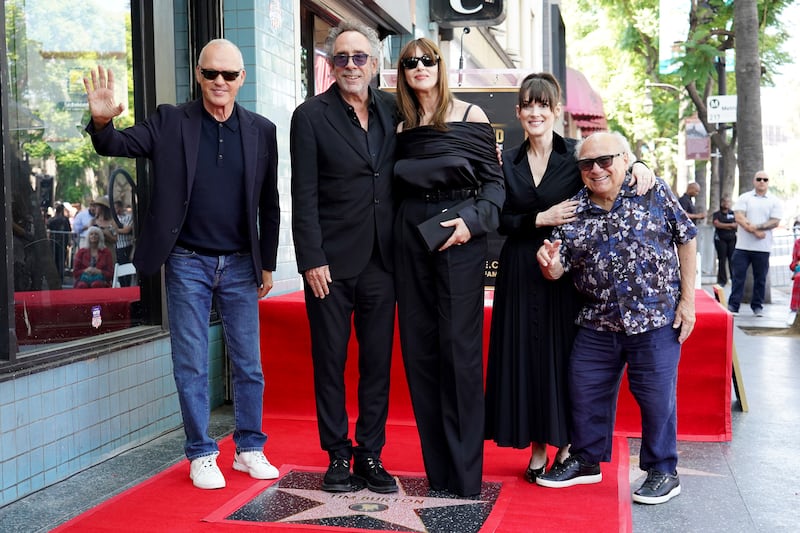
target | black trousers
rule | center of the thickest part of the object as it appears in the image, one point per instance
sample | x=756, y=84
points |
x=440, y=311
x=724, y=248
x=367, y=302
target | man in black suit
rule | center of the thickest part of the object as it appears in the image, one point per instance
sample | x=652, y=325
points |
x=213, y=222
x=342, y=147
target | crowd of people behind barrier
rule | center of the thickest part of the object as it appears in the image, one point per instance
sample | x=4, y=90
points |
x=67, y=225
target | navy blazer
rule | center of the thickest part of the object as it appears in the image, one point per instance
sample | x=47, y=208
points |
x=341, y=199
x=170, y=137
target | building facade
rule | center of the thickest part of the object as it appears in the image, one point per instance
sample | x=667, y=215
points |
x=85, y=374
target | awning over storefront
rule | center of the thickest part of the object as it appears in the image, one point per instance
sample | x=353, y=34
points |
x=589, y=125
x=394, y=14
x=387, y=16
x=582, y=101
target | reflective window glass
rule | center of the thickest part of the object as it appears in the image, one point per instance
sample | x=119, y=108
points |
x=74, y=220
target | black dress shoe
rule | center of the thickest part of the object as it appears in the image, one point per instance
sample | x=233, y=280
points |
x=532, y=473
x=338, y=478
x=371, y=470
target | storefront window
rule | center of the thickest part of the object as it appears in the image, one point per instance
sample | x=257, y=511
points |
x=316, y=74
x=323, y=73
x=67, y=241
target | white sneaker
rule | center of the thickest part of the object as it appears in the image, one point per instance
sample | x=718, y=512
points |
x=205, y=473
x=255, y=464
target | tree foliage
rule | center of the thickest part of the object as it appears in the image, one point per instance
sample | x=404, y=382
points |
x=46, y=64
x=615, y=43
x=49, y=50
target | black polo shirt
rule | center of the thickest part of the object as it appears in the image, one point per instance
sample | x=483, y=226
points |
x=216, y=222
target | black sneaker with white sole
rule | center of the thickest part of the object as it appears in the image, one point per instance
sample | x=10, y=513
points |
x=573, y=471
x=658, y=488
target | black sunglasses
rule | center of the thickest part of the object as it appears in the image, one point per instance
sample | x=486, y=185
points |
x=762, y=179
x=341, y=60
x=227, y=75
x=411, y=62
x=604, y=161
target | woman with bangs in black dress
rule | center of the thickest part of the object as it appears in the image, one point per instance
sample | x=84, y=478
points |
x=445, y=158
x=533, y=319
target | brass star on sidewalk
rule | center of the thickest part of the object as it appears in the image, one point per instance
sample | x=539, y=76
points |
x=399, y=508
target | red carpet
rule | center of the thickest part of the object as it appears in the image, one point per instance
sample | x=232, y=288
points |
x=168, y=502
x=704, y=372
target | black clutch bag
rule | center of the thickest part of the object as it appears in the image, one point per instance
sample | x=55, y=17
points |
x=435, y=235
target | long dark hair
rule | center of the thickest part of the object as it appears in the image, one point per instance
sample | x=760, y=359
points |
x=406, y=99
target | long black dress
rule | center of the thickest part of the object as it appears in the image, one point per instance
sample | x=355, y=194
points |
x=533, y=319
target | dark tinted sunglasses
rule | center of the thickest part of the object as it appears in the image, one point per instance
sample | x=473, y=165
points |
x=341, y=60
x=227, y=75
x=411, y=62
x=762, y=179
x=604, y=161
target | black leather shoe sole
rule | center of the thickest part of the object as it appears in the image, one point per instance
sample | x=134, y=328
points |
x=353, y=484
x=382, y=487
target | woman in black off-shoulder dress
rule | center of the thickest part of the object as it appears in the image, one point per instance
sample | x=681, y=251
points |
x=445, y=156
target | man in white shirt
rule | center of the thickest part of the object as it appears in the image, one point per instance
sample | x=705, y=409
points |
x=757, y=212
x=81, y=223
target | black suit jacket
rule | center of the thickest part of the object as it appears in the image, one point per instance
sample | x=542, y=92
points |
x=340, y=199
x=171, y=139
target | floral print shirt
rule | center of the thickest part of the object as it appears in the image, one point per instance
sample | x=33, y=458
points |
x=624, y=261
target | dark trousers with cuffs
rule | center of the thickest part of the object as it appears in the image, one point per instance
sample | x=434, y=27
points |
x=367, y=301
x=596, y=367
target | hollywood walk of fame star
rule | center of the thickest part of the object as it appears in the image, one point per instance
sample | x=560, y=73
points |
x=399, y=509
x=296, y=498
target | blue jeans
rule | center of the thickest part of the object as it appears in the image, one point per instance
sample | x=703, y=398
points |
x=192, y=280
x=739, y=263
x=596, y=365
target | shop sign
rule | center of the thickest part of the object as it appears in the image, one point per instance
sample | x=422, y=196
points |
x=457, y=13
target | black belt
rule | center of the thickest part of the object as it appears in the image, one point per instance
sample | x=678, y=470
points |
x=207, y=251
x=440, y=195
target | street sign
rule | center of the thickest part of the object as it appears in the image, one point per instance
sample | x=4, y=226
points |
x=721, y=108
x=698, y=145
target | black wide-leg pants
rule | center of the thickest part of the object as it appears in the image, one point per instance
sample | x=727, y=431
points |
x=440, y=311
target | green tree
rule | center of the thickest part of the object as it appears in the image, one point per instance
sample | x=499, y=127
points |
x=615, y=43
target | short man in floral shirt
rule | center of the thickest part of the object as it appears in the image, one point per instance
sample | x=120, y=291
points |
x=633, y=259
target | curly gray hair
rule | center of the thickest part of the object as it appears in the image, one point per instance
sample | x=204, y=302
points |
x=352, y=25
